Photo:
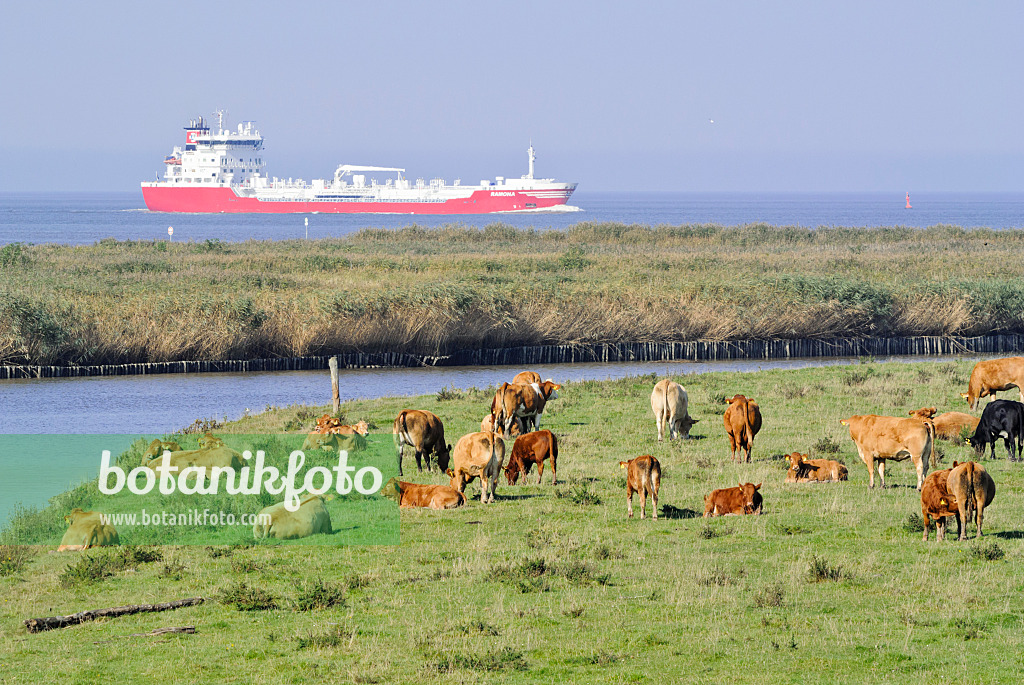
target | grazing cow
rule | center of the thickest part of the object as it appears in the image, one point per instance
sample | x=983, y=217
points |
x=974, y=490
x=669, y=404
x=477, y=455
x=804, y=470
x=211, y=453
x=643, y=475
x=335, y=442
x=742, y=422
x=743, y=499
x=948, y=426
x=526, y=378
x=1001, y=419
x=487, y=425
x=524, y=401
x=532, y=448
x=880, y=438
x=276, y=521
x=412, y=495
x=937, y=503
x=425, y=432
x=992, y=375
x=86, y=530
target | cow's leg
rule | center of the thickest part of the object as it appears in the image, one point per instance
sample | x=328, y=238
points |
x=419, y=461
x=940, y=528
x=1009, y=448
x=643, y=501
x=629, y=501
x=554, y=476
x=673, y=432
x=981, y=516
x=540, y=470
x=661, y=427
x=654, y=498
x=920, y=467
x=927, y=525
x=400, y=446
x=881, y=472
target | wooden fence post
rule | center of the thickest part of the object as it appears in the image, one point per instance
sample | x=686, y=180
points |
x=335, y=396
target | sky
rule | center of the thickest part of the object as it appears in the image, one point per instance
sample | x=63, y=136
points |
x=669, y=96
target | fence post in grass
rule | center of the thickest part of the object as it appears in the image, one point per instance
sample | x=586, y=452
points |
x=335, y=397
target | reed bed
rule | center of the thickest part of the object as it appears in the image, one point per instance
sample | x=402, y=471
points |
x=433, y=291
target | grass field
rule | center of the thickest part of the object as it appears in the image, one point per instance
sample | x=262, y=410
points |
x=554, y=584
x=434, y=291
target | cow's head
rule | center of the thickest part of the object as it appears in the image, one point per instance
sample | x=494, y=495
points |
x=922, y=413
x=978, y=443
x=363, y=428
x=209, y=442
x=735, y=398
x=685, y=425
x=392, y=490
x=512, y=471
x=845, y=422
x=550, y=389
x=624, y=464
x=444, y=455
x=157, y=448
x=75, y=514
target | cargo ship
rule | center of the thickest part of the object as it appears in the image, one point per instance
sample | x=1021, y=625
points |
x=224, y=171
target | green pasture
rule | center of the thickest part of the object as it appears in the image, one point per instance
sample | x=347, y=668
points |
x=555, y=584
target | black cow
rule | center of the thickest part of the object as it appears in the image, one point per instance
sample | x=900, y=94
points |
x=1001, y=419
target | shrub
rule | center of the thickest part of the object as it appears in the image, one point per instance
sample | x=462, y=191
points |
x=507, y=659
x=14, y=558
x=319, y=595
x=332, y=638
x=818, y=569
x=449, y=393
x=770, y=596
x=244, y=597
x=986, y=551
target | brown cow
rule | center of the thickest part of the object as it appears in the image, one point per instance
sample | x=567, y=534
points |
x=669, y=402
x=879, y=438
x=328, y=425
x=212, y=453
x=948, y=426
x=532, y=448
x=425, y=432
x=742, y=421
x=743, y=499
x=804, y=470
x=477, y=455
x=937, y=503
x=487, y=425
x=411, y=495
x=526, y=377
x=992, y=375
x=87, y=530
x=524, y=401
x=643, y=475
x=974, y=490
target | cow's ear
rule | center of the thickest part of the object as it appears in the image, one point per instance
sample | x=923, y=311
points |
x=739, y=484
x=955, y=464
x=450, y=473
x=758, y=486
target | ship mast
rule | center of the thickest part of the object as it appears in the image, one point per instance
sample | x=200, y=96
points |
x=532, y=157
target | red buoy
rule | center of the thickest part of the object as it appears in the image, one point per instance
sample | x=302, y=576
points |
x=908, y=201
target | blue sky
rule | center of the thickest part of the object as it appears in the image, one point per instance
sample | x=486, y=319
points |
x=805, y=96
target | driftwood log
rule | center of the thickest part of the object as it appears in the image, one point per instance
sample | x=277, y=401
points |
x=38, y=625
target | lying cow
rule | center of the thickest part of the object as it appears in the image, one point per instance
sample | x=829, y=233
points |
x=411, y=495
x=742, y=421
x=937, y=503
x=948, y=426
x=87, y=530
x=477, y=455
x=643, y=475
x=425, y=433
x=669, y=402
x=334, y=442
x=328, y=425
x=524, y=401
x=992, y=375
x=276, y=521
x=804, y=470
x=212, y=453
x=973, y=489
x=743, y=499
x=532, y=448
x=158, y=447
x=526, y=378
x=881, y=438
x=487, y=425
x=1001, y=419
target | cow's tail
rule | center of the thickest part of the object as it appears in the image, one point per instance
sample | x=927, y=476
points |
x=663, y=419
x=930, y=425
x=655, y=477
x=972, y=498
x=498, y=407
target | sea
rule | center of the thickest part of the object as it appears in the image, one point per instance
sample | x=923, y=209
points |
x=80, y=218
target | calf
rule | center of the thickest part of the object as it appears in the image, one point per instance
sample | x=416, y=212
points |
x=804, y=470
x=974, y=490
x=992, y=375
x=1001, y=419
x=743, y=499
x=86, y=530
x=425, y=433
x=643, y=475
x=937, y=503
x=742, y=422
x=669, y=402
x=477, y=455
x=532, y=448
x=410, y=495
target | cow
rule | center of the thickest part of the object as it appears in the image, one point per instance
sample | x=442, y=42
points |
x=743, y=499
x=477, y=455
x=328, y=425
x=937, y=503
x=992, y=375
x=425, y=432
x=804, y=470
x=669, y=404
x=643, y=475
x=1001, y=419
x=158, y=447
x=275, y=521
x=880, y=438
x=742, y=421
x=335, y=442
x=974, y=490
x=948, y=426
x=212, y=453
x=532, y=448
x=526, y=378
x=412, y=495
x=487, y=425
x=87, y=530
x=524, y=401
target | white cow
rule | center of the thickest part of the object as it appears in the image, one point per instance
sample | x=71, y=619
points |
x=669, y=403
